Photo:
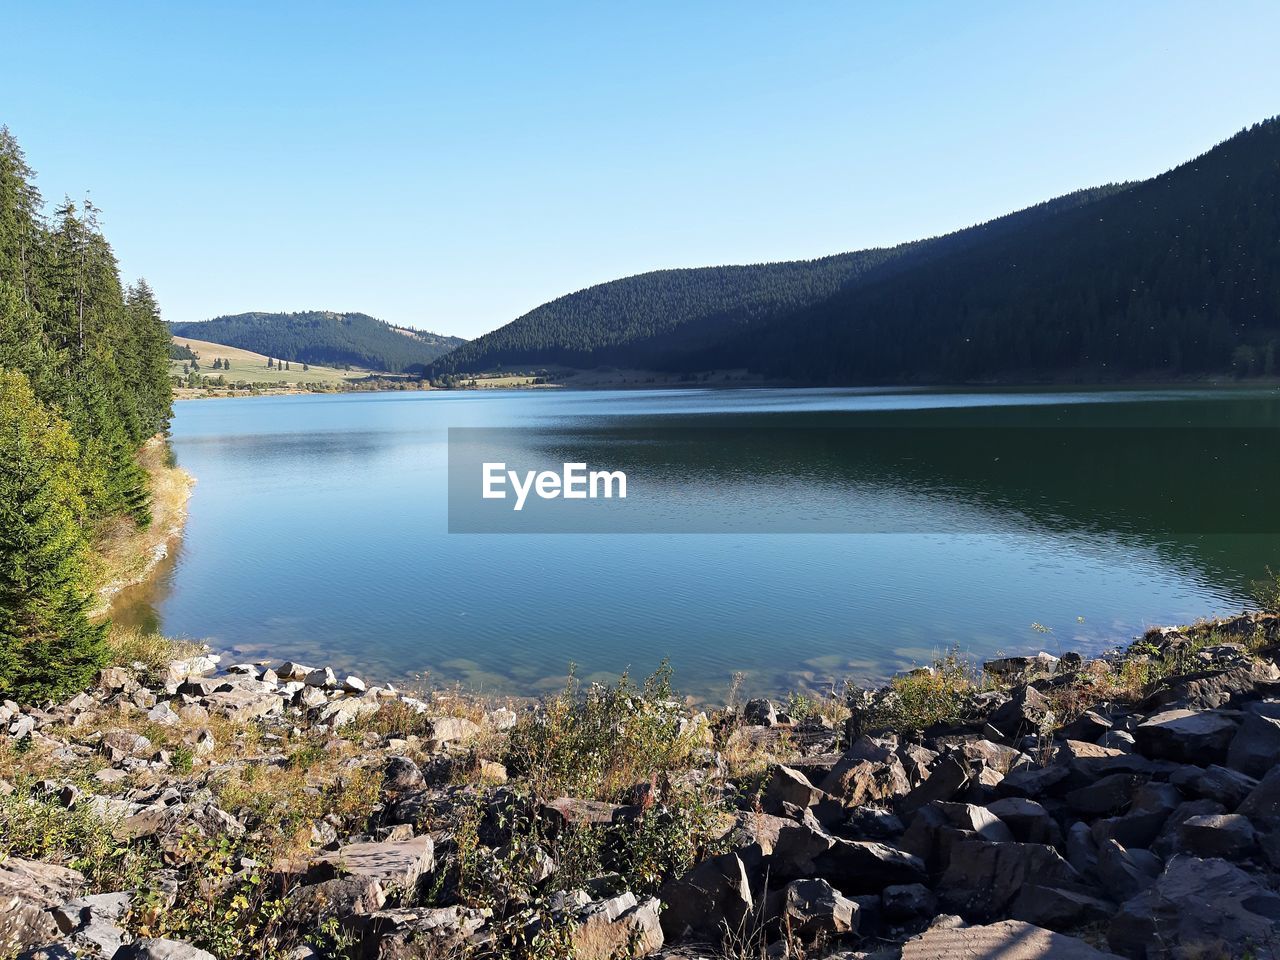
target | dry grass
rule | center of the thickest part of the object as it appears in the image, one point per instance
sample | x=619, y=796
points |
x=129, y=645
x=126, y=554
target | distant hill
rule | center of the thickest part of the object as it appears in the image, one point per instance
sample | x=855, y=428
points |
x=326, y=338
x=1175, y=275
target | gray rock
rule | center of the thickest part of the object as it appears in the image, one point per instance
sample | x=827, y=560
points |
x=908, y=902
x=815, y=910
x=760, y=713
x=856, y=780
x=401, y=775
x=786, y=785
x=949, y=776
x=1027, y=712
x=119, y=744
x=1226, y=835
x=1027, y=820
x=395, y=865
x=29, y=891
x=864, y=866
x=340, y=897
x=1107, y=795
x=157, y=949
x=449, y=730
x=1082, y=849
x=1197, y=908
x=983, y=879
x=1059, y=908
x=1227, y=787
x=710, y=898
x=1126, y=873
x=1006, y=940
x=322, y=677
x=1186, y=736
x=1255, y=749
x=1167, y=842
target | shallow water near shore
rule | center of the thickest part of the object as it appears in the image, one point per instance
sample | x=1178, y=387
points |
x=319, y=531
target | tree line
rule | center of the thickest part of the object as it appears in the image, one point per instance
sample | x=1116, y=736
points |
x=84, y=381
x=1176, y=275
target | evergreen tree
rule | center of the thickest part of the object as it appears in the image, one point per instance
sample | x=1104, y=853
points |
x=48, y=646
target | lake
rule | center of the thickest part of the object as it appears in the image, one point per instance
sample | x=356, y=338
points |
x=995, y=522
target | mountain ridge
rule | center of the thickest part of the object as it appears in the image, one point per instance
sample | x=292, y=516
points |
x=1156, y=288
x=325, y=337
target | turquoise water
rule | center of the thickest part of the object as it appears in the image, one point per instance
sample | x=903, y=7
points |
x=319, y=530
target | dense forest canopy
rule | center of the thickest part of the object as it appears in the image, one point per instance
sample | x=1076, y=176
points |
x=84, y=381
x=1175, y=275
x=326, y=338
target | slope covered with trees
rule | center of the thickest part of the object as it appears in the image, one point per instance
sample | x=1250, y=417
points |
x=83, y=382
x=1176, y=275
x=325, y=337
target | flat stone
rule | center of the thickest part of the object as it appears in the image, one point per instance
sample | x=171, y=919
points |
x=29, y=890
x=1006, y=940
x=157, y=949
x=1186, y=736
x=395, y=865
x=1226, y=835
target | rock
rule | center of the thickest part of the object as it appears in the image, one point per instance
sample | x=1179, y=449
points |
x=571, y=810
x=353, y=684
x=1016, y=667
x=1082, y=849
x=49, y=951
x=864, y=866
x=29, y=890
x=1028, y=821
x=241, y=706
x=1197, y=908
x=983, y=879
x=949, y=776
x=816, y=910
x=321, y=677
x=447, y=730
x=791, y=847
x=786, y=785
x=1104, y=796
x=1091, y=760
x=1027, y=712
x=119, y=744
x=1090, y=726
x=1208, y=690
x=157, y=949
x=395, y=865
x=117, y=680
x=1033, y=782
x=1227, y=787
x=1006, y=940
x=760, y=713
x=712, y=896
x=340, y=897
x=938, y=826
x=1186, y=736
x=401, y=775
x=857, y=780
x=907, y=903
x=873, y=823
x=163, y=714
x=1226, y=835
x=1255, y=749
x=617, y=926
x=1148, y=814
x=1126, y=873
x=92, y=921
x=1262, y=805
x=1059, y=908
x=1167, y=841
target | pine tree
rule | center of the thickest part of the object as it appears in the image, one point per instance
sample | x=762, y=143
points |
x=48, y=646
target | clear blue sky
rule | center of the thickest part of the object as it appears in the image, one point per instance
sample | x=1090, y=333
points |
x=450, y=166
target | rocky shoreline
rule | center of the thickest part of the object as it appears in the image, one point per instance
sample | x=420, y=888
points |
x=1067, y=808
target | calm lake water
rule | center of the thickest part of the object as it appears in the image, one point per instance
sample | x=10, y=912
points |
x=319, y=530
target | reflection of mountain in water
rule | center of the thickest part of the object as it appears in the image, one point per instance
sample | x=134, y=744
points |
x=1192, y=481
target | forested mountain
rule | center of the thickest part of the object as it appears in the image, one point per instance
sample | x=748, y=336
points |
x=324, y=337
x=84, y=380
x=1175, y=275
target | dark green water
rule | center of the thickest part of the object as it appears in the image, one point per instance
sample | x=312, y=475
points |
x=319, y=530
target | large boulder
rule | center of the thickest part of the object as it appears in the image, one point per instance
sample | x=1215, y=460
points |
x=618, y=926
x=1027, y=712
x=158, y=949
x=1197, y=908
x=395, y=865
x=29, y=890
x=1226, y=835
x=713, y=897
x=816, y=910
x=788, y=786
x=983, y=879
x=864, y=866
x=1186, y=736
x=1006, y=940
x=1255, y=749
x=1028, y=821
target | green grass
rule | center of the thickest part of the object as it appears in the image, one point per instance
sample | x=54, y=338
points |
x=252, y=367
